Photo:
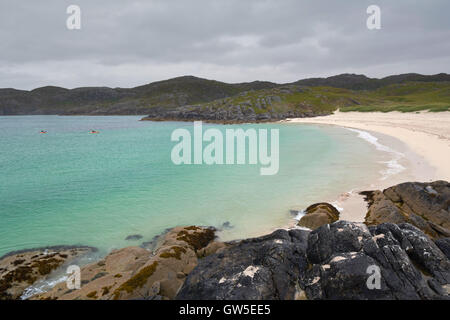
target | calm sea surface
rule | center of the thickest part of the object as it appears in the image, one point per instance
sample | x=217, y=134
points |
x=72, y=187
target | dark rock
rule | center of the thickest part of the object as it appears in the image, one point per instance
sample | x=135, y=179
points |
x=227, y=225
x=261, y=268
x=410, y=264
x=134, y=237
x=444, y=245
x=424, y=205
x=335, y=261
x=99, y=275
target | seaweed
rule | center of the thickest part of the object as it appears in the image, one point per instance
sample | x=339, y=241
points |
x=137, y=281
x=18, y=261
x=92, y=295
x=192, y=228
x=177, y=251
x=46, y=266
x=105, y=290
x=21, y=274
x=197, y=239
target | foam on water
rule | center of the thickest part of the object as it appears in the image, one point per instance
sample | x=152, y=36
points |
x=41, y=287
x=336, y=204
x=393, y=165
x=300, y=214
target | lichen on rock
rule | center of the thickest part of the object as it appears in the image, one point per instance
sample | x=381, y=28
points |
x=319, y=214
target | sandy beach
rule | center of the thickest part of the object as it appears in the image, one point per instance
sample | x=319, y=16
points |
x=424, y=139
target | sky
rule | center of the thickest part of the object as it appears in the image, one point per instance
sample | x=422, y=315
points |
x=131, y=43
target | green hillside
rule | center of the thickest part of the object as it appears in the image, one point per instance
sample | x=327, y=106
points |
x=405, y=97
x=190, y=98
x=170, y=93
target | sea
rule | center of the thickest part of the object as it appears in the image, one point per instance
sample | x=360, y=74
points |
x=71, y=187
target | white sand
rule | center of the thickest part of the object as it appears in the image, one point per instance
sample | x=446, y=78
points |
x=425, y=135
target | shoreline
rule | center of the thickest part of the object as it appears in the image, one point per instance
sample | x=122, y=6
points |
x=48, y=248
x=418, y=165
x=426, y=134
x=423, y=140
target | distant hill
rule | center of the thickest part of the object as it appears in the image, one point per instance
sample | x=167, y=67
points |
x=361, y=82
x=294, y=101
x=103, y=100
x=190, y=97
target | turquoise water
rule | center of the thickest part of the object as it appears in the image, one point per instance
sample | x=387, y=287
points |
x=72, y=187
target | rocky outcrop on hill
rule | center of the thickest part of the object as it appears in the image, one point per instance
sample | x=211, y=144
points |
x=268, y=267
x=231, y=112
x=236, y=114
x=335, y=261
x=137, y=273
x=19, y=270
x=424, y=205
x=319, y=214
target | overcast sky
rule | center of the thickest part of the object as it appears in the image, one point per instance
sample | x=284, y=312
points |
x=128, y=43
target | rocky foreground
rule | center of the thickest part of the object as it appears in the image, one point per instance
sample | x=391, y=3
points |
x=331, y=262
x=21, y=269
x=137, y=273
x=402, y=251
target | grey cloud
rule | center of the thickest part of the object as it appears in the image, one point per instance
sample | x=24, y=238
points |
x=127, y=43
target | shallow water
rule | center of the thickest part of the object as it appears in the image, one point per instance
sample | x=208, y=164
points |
x=72, y=187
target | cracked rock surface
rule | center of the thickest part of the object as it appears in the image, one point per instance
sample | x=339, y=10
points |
x=424, y=205
x=267, y=267
x=334, y=261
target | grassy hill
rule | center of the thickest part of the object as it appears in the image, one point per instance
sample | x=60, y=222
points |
x=361, y=82
x=103, y=100
x=190, y=98
x=406, y=97
x=299, y=101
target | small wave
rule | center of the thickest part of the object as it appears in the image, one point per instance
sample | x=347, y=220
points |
x=60, y=275
x=336, y=204
x=393, y=165
x=299, y=215
x=41, y=287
